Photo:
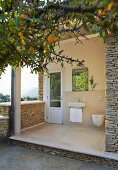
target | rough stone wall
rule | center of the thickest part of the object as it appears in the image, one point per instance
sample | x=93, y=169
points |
x=40, y=85
x=32, y=114
x=4, y=121
x=5, y=109
x=111, y=140
x=4, y=128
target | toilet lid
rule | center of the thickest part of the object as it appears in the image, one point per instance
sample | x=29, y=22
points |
x=98, y=116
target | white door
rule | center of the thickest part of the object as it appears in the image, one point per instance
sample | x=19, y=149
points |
x=55, y=98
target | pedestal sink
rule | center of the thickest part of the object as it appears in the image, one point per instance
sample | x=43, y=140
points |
x=76, y=105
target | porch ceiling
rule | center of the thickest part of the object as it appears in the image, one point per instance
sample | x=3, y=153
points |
x=68, y=137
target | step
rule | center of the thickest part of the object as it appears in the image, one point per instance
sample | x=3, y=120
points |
x=67, y=153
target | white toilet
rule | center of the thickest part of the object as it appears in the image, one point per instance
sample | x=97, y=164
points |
x=98, y=119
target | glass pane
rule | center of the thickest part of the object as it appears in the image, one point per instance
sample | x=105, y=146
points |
x=80, y=79
x=55, y=90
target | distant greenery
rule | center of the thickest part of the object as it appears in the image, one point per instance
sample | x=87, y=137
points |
x=5, y=98
x=28, y=98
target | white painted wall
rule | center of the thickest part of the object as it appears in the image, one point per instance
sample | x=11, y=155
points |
x=92, y=51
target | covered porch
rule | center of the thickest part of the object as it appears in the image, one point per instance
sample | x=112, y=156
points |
x=90, y=142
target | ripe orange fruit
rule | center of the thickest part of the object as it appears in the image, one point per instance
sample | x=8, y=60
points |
x=23, y=16
x=108, y=8
x=52, y=39
x=20, y=34
x=31, y=49
x=110, y=5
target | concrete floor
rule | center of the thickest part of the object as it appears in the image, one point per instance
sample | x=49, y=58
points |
x=18, y=158
x=68, y=137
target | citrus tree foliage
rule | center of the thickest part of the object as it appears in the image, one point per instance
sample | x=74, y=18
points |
x=30, y=29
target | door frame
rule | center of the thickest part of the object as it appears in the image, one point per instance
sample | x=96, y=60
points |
x=47, y=95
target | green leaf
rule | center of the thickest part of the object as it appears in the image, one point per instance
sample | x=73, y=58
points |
x=42, y=3
x=102, y=35
x=104, y=3
x=90, y=17
x=86, y=28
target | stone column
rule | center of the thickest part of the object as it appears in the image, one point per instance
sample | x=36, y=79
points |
x=111, y=139
x=17, y=101
x=40, y=86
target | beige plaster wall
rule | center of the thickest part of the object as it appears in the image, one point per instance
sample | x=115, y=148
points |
x=95, y=104
x=92, y=51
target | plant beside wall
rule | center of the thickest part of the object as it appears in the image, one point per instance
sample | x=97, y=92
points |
x=92, y=83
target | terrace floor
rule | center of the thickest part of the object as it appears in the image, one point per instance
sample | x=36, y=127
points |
x=73, y=138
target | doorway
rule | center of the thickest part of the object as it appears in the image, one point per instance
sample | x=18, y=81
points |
x=54, y=111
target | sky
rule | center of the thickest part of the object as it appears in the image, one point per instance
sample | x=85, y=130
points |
x=28, y=81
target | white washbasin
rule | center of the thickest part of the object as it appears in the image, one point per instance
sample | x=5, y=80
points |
x=77, y=104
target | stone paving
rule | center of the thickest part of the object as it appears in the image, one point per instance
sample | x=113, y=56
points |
x=18, y=158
